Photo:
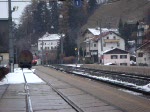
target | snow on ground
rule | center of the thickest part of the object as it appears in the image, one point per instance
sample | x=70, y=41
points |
x=145, y=87
x=17, y=77
x=73, y=65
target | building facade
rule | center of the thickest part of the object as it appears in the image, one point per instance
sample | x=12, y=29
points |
x=4, y=58
x=48, y=42
x=91, y=39
x=116, y=57
x=107, y=41
x=142, y=29
x=47, y=47
x=143, y=55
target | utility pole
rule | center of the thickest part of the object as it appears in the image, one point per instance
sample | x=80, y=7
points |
x=11, y=46
x=42, y=53
x=100, y=30
x=61, y=39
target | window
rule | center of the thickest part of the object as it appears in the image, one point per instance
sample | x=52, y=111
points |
x=114, y=56
x=123, y=64
x=114, y=37
x=140, y=54
x=123, y=56
x=107, y=37
x=94, y=45
x=87, y=53
x=118, y=44
x=45, y=43
x=1, y=58
x=104, y=44
x=91, y=45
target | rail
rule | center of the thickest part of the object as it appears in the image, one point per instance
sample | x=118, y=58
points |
x=128, y=81
x=28, y=99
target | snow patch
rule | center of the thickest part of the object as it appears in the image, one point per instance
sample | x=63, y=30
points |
x=17, y=77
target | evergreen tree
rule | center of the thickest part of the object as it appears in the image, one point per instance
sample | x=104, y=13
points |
x=52, y=19
x=92, y=5
x=120, y=27
x=69, y=46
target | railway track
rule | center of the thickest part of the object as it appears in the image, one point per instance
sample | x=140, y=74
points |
x=27, y=94
x=29, y=107
x=128, y=81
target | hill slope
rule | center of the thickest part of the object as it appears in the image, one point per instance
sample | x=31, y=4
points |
x=110, y=13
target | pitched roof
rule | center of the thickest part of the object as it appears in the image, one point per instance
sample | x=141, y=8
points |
x=48, y=36
x=107, y=33
x=115, y=51
x=96, y=31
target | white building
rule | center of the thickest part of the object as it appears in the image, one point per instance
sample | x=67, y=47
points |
x=50, y=42
x=97, y=43
x=142, y=29
x=109, y=40
x=116, y=56
x=143, y=54
x=101, y=1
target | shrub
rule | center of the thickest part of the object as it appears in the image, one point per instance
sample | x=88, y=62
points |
x=3, y=72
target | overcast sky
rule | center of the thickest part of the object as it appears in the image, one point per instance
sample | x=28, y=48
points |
x=16, y=14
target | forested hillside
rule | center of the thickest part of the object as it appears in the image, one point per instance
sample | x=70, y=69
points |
x=110, y=13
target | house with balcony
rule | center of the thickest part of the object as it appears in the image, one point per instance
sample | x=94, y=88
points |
x=107, y=41
x=91, y=36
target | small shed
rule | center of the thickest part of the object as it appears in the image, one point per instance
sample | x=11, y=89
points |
x=116, y=56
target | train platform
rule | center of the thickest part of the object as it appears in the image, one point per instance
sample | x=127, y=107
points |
x=43, y=97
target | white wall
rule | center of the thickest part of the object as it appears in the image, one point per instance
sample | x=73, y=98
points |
x=110, y=45
x=46, y=43
x=107, y=59
x=144, y=59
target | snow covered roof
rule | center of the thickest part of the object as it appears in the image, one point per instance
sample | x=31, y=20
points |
x=48, y=36
x=103, y=34
x=96, y=31
x=115, y=51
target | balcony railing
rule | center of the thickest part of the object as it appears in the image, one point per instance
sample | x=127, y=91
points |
x=111, y=40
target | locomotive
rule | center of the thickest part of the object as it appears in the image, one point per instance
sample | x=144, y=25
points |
x=25, y=59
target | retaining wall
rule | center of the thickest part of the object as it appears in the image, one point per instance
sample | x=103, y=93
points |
x=127, y=69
